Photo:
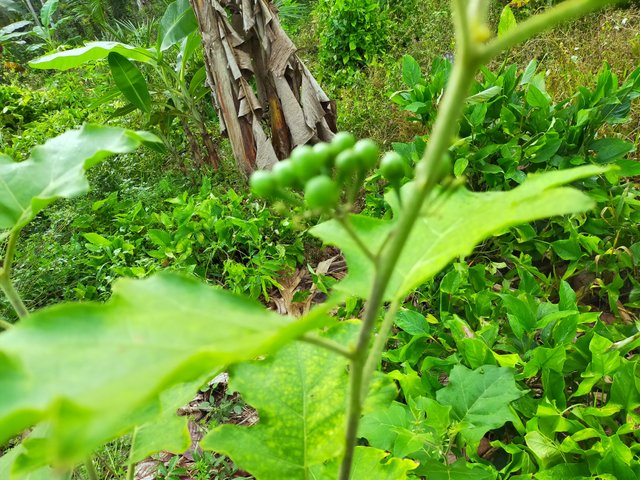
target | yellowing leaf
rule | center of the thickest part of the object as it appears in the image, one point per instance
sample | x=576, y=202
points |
x=299, y=393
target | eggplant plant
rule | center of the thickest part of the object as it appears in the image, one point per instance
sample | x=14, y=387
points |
x=81, y=374
x=170, y=94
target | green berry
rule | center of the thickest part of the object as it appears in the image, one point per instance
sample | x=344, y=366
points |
x=392, y=167
x=285, y=174
x=347, y=163
x=368, y=152
x=306, y=162
x=321, y=193
x=342, y=141
x=263, y=184
x=325, y=154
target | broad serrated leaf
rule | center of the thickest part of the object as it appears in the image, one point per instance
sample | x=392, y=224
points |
x=56, y=169
x=479, y=399
x=93, y=371
x=130, y=81
x=177, y=23
x=90, y=52
x=456, y=226
x=299, y=394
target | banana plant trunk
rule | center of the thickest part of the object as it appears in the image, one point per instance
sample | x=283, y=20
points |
x=267, y=100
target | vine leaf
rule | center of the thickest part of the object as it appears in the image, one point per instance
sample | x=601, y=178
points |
x=92, y=371
x=90, y=52
x=299, y=394
x=56, y=169
x=479, y=399
x=453, y=229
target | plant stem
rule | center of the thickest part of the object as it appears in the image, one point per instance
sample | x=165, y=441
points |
x=346, y=224
x=5, y=276
x=444, y=129
x=550, y=18
x=379, y=343
x=327, y=344
x=131, y=468
x=91, y=469
x=470, y=54
x=5, y=325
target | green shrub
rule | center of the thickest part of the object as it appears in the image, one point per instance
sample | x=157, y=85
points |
x=353, y=34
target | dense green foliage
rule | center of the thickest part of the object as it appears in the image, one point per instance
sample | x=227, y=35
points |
x=508, y=347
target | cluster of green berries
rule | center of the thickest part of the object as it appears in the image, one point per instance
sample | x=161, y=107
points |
x=326, y=170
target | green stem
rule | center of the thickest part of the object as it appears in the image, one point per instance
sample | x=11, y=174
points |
x=4, y=325
x=328, y=345
x=346, y=224
x=568, y=10
x=469, y=56
x=91, y=469
x=444, y=129
x=5, y=276
x=373, y=360
x=131, y=468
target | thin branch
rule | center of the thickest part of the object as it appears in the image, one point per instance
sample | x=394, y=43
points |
x=379, y=343
x=568, y=10
x=5, y=276
x=346, y=224
x=327, y=345
x=131, y=468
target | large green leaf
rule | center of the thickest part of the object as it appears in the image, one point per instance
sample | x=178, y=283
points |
x=47, y=11
x=455, y=227
x=479, y=399
x=130, y=81
x=56, y=169
x=300, y=396
x=90, y=52
x=177, y=23
x=92, y=371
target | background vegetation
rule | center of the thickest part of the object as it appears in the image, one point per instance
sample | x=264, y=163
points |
x=557, y=300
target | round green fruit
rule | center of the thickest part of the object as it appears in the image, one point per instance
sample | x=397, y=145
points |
x=368, y=152
x=393, y=167
x=285, y=174
x=306, y=162
x=263, y=184
x=342, y=141
x=321, y=193
x=347, y=163
x=325, y=154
